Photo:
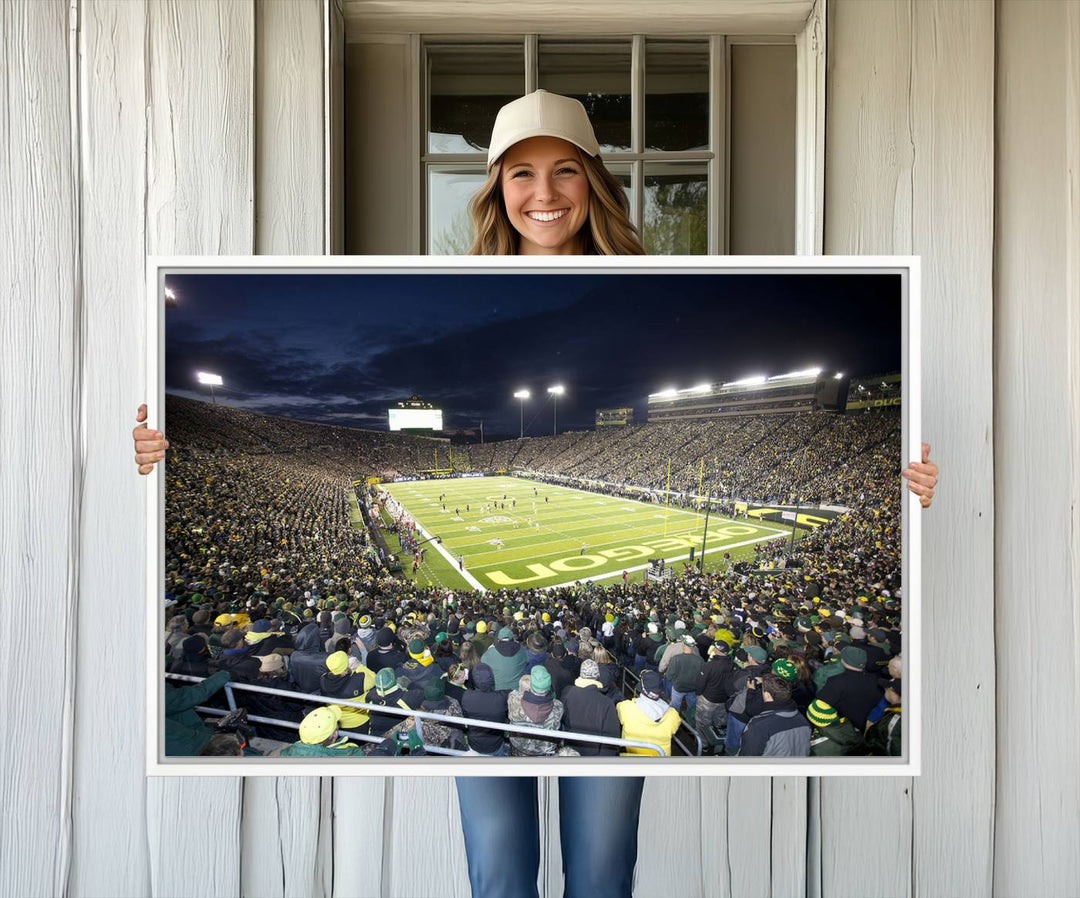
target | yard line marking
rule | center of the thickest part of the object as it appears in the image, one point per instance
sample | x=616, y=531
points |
x=569, y=529
x=469, y=578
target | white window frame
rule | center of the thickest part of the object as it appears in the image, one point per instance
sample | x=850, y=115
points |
x=810, y=125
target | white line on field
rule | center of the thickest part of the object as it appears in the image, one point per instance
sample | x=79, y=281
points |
x=613, y=502
x=469, y=578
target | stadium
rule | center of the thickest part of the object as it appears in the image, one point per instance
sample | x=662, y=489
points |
x=721, y=578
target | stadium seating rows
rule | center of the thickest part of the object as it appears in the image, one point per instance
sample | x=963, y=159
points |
x=258, y=520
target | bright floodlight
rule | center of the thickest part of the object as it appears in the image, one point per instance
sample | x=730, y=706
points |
x=702, y=388
x=170, y=293
x=839, y=375
x=665, y=394
x=213, y=380
x=522, y=395
x=748, y=381
x=809, y=372
x=555, y=391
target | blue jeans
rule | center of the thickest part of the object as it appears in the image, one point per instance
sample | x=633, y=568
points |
x=677, y=697
x=733, y=737
x=598, y=823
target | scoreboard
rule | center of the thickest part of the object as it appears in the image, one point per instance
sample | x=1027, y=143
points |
x=614, y=417
x=415, y=419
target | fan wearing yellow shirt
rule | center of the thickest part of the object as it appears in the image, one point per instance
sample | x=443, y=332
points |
x=648, y=718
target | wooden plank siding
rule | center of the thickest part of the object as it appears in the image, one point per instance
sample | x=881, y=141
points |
x=41, y=453
x=1037, y=448
x=952, y=126
x=109, y=783
x=912, y=125
x=199, y=196
x=181, y=127
x=909, y=169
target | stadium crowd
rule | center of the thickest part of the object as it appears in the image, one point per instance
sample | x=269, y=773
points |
x=224, y=431
x=819, y=458
x=268, y=583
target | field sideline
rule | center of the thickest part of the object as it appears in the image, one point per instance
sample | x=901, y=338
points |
x=542, y=541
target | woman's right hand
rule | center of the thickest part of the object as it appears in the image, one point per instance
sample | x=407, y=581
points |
x=150, y=445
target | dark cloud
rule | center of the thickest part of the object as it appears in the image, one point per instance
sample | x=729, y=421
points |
x=343, y=350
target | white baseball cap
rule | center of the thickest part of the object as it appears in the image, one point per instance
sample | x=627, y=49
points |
x=541, y=114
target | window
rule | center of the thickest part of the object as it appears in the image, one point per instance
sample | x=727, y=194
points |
x=659, y=107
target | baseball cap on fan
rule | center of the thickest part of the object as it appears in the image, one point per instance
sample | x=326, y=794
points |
x=541, y=114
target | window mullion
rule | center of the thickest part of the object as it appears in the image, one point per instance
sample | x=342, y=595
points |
x=420, y=230
x=637, y=129
x=715, y=159
x=717, y=187
x=532, y=63
x=725, y=143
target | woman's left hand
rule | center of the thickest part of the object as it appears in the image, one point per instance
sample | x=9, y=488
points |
x=922, y=477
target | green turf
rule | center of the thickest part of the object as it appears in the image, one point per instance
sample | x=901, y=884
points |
x=542, y=541
x=436, y=570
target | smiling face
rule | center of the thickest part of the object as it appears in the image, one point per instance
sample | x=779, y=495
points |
x=546, y=195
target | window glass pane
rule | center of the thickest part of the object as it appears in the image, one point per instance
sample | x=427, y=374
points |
x=597, y=74
x=676, y=95
x=467, y=84
x=623, y=175
x=676, y=209
x=449, y=192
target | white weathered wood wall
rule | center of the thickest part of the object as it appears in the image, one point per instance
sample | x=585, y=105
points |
x=191, y=126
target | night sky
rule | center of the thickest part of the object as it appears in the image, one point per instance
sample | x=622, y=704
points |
x=341, y=348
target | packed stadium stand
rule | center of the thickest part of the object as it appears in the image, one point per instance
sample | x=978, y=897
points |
x=268, y=578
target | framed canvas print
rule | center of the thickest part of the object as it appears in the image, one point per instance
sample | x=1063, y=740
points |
x=501, y=516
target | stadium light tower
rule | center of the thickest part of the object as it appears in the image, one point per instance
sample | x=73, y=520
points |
x=211, y=380
x=555, y=392
x=522, y=395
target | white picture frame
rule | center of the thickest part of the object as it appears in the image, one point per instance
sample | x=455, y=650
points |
x=908, y=267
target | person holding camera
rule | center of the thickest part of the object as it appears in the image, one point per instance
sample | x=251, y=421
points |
x=779, y=731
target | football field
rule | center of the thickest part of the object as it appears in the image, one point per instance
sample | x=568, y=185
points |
x=541, y=535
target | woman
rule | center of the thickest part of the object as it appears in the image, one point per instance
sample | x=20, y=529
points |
x=469, y=658
x=547, y=193
x=803, y=691
x=609, y=670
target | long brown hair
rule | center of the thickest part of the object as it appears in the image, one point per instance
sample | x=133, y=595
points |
x=607, y=232
x=802, y=669
x=468, y=655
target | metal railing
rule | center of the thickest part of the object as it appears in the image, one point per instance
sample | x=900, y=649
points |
x=352, y=734
x=631, y=677
x=516, y=729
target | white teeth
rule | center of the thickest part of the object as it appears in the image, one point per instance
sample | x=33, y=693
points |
x=546, y=216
